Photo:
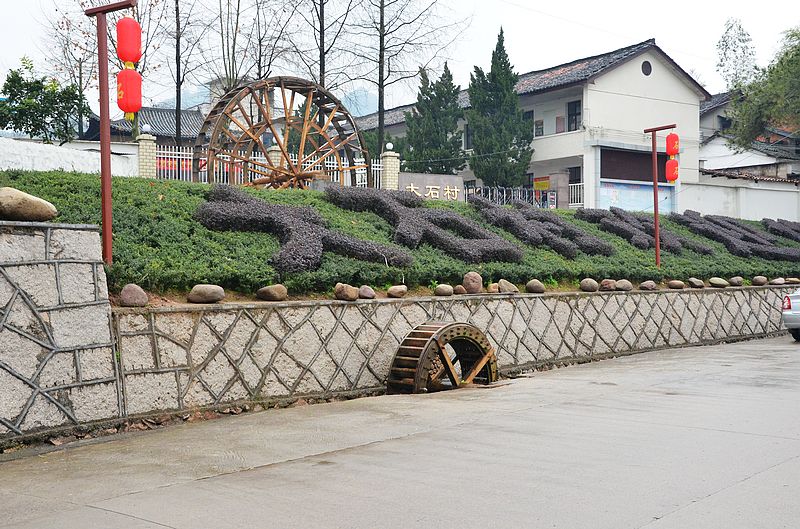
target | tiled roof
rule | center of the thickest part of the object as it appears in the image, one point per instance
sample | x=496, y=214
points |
x=162, y=122
x=559, y=76
x=716, y=101
x=741, y=175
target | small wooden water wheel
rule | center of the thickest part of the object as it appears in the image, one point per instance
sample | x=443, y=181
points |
x=280, y=132
x=442, y=355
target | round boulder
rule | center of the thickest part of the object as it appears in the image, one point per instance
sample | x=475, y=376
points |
x=345, y=292
x=718, y=282
x=276, y=292
x=459, y=289
x=648, y=285
x=16, y=205
x=397, y=291
x=589, y=285
x=493, y=288
x=534, y=286
x=696, y=283
x=607, y=285
x=366, y=292
x=443, y=290
x=759, y=281
x=133, y=296
x=778, y=281
x=507, y=287
x=736, y=281
x=206, y=294
x=793, y=281
x=473, y=282
x=624, y=285
x=675, y=284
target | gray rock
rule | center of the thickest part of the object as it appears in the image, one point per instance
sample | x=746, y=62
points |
x=736, y=281
x=507, y=287
x=16, y=205
x=459, y=289
x=589, y=285
x=607, y=285
x=443, y=290
x=345, y=292
x=778, y=281
x=397, y=291
x=718, y=282
x=534, y=286
x=493, y=288
x=695, y=283
x=759, y=281
x=675, y=284
x=648, y=285
x=624, y=285
x=366, y=292
x=206, y=294
x=473, y=282
x=276, y=292
x=133, y=296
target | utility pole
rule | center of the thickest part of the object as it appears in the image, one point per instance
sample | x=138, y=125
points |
x=105, y=121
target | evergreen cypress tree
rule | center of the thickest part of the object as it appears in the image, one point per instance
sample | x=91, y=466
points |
x=433, y=141
x=501, y=135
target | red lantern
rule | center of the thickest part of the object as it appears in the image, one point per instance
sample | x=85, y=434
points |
x=129, y=40
x=129, y=92
x=673, y=144
x=672, y=170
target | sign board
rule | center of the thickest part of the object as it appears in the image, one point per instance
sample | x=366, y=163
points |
x=433, y=186
x=541, y=183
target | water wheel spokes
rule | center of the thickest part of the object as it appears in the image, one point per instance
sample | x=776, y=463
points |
x=442, y=355
x=281, y=132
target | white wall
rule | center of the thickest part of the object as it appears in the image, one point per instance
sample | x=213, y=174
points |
x=31, y=156
x=742, y=199
x=623, y=102
x=716, y=154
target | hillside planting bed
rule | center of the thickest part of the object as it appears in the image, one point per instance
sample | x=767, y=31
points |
x=169, y=236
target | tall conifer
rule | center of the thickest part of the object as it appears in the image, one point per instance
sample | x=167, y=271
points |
x=501, y=150
x=432, y=135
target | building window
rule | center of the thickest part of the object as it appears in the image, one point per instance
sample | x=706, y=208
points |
x=647, y=68
x=724, y=122
x=538, y=128
x=559, y=124
x=527, y=115
x=575, y=175
x=467, y=137
x=573, y=115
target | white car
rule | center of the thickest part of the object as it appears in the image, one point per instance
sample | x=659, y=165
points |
x=791, y=314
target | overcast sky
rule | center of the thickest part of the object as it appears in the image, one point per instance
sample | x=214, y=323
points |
x=538, y=34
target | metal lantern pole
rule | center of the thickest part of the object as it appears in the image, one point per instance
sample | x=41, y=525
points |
x=652, y=132
x=105, y=123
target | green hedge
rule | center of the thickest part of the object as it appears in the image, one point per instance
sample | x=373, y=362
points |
x=158, y=245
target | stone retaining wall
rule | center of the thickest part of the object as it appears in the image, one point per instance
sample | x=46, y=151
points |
x=57, y=362
x=58, y=366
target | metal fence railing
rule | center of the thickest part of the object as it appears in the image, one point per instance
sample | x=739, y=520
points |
x=503, y=195
x=175, y=163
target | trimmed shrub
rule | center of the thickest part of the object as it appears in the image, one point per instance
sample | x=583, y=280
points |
x=457, y=236
x=301, y=231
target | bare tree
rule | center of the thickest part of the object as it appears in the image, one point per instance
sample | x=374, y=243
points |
x=736, y=55
x=70, y=46
x=270, y=29
x=186, y=35
x=396, y=38
x=227, y=57
x=322, y=37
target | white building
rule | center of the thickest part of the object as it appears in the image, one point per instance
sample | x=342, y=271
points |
x=588, y=117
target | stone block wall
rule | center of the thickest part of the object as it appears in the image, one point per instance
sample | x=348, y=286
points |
x=57, y=364
x=66, y=358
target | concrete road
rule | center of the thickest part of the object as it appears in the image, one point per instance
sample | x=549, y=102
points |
x=704, y=437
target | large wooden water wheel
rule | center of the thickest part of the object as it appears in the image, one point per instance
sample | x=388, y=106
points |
x=280, y=132
x=440, y=355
